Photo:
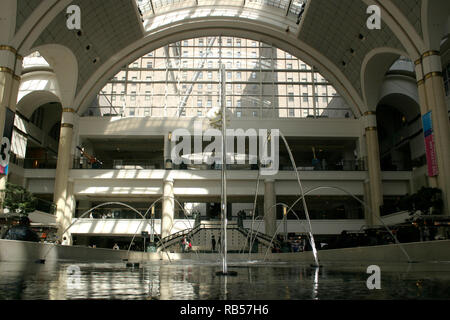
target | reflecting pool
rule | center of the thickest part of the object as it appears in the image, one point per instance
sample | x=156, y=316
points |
x=193, y=280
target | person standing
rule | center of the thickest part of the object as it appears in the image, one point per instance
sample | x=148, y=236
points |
x=183, y=244
x=213, y=243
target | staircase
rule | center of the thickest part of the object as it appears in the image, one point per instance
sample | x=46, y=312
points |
x=200, y=236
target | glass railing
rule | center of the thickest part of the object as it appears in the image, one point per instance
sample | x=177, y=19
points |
x=34, y=163
x=118, y=164
x=145, y=164
x=235, y=112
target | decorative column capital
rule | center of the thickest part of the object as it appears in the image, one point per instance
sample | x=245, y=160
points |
x=5, y=47
x=6, y=70
x=370, y=120
x=68, y=117
x=431, y=64
x=431, y=53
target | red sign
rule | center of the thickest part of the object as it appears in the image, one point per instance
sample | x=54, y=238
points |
x=431, y=156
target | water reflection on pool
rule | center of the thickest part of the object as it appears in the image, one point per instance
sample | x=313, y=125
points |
x=192, y=280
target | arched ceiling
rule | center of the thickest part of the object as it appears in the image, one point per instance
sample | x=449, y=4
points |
x=330, y=30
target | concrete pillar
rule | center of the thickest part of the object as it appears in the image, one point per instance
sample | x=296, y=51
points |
x=167, y=151
x=432, y=98
x=168, y=208
x=10, y=71
x=373, y=167
x=270, y=210
x=62, y=194
x=424, y=108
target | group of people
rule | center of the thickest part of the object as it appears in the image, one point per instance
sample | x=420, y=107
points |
x=21, y=230
x=108, y=215
x=185, y=244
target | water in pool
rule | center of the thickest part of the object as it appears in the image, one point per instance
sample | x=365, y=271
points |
x=193, y=280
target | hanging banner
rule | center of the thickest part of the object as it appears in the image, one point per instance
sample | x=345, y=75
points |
x=429, y=145
x=5, y=145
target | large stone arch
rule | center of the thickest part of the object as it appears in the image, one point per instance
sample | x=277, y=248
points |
x=201, y=27
x=374, y=68
x=65, y=65
x=35, y=99
x=36, y=23
x=401, y=27
x=400, y=86
x=435, y=16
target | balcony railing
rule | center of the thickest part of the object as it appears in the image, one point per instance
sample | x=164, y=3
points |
x=146, y=164
x=236, y=112
x=118, y=164
x=35, y=163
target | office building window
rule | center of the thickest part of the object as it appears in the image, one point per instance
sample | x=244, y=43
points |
x=291, y=96
x=305, y=97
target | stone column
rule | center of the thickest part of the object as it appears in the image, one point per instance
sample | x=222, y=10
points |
x=10, y=71
x=373, y=167
x=424, y=108
x=61, y=193
x=270, y=210
x=167, y=151
x=432, y=98
x=168, y=208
